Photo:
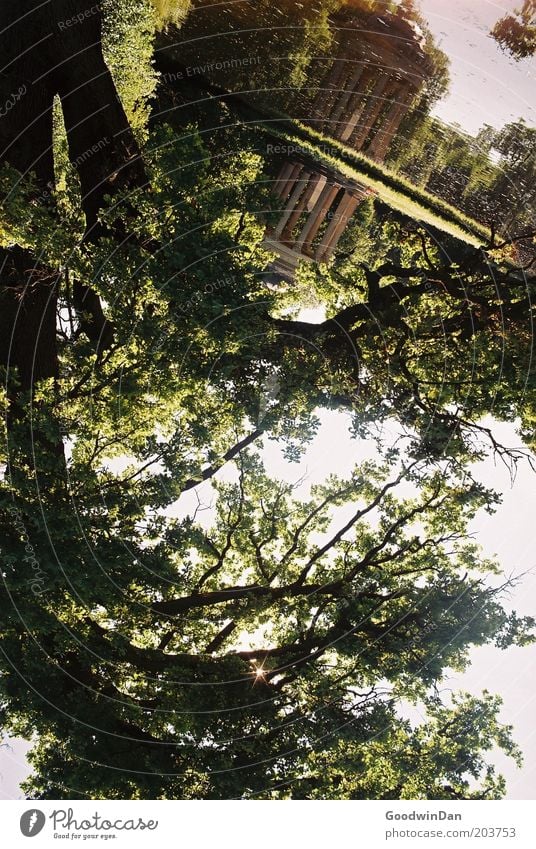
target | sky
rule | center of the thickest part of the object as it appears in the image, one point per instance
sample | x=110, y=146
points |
x=487, y=85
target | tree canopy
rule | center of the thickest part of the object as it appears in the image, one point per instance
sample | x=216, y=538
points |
x=516, y=33
x=269, y=646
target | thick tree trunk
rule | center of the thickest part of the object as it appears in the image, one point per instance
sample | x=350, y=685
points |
x=50, y=48
x=27, y=294
x=26, y=96
x=28, y=301
x=101, y=143
x=102, y=146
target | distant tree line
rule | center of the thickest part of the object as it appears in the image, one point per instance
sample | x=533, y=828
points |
x=491, y=177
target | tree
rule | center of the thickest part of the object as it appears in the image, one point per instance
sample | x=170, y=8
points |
x=516, y=33
x=432, y=760
x=511, y=195
x=515, y=142
x=267, y=53
x=172, y=12
x=338, y=632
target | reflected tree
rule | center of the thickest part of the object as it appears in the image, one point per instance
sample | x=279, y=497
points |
x=516, y=33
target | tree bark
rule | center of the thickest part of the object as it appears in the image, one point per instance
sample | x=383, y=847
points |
x=28, y=294
x=101, y=143
x=47, y=49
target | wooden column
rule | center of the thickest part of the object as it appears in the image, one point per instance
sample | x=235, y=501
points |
x=392, y=96
x=316, y=217
x=380, y=143
x=358, y=99
x=296, y=168
x=327, y=96
x=377, y=104
x=373, y=108
x=322, y=180
x=295, y=195
x=362, y=101
x=341, y=106
x=283, y=178
x=337, y=225
x=310, y=186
